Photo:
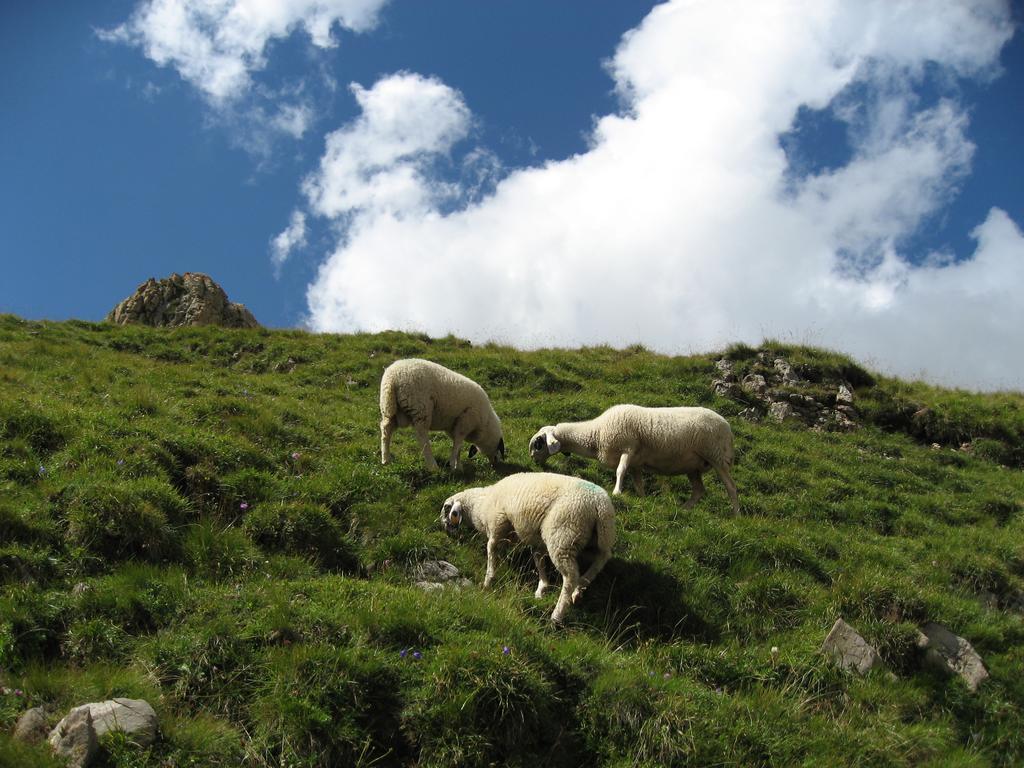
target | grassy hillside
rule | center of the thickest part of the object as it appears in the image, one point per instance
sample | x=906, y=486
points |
x=199, y=517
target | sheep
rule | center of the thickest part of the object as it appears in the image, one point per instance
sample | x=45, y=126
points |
x=553, y=514
x=428, y=396
x=668, y=441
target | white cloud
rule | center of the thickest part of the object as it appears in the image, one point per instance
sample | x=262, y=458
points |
x=380, y=163
x=216, y=45
x=681, y=227
x=294, y=236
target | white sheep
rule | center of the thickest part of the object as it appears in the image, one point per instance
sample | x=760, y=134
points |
x=667, y=441
x=428, y=397
x=553, y=514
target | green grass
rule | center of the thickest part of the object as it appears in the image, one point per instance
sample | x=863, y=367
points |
x=199, y=517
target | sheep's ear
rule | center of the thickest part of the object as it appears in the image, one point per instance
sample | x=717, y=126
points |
x=473, y=450
x=553, y=445
x=537, y=443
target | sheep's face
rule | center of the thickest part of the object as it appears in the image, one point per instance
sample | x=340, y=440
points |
x=543, y=444
x=495, y=455
x=451, y=515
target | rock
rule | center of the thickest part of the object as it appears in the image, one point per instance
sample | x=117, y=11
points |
x=844, y=396
x=849, y=650
x=755, y=384
x=789, y=376
x=750, y=414
x=724, y=388
x=189, y=299
x=725, y=368
x=31, y=726
x=134, y=717
x=781, y=411
x=952, y=654
x=74, y=738
x=431, y=575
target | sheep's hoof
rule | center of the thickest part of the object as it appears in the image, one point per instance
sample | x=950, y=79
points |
x=540, y=592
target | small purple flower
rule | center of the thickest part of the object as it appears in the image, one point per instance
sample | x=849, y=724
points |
x=17, y=691
x=244, y=505
x=417, y=655
x=296, y=455
x=402, y=653
x=42, y=470
x=506, y=651
x=120, y=462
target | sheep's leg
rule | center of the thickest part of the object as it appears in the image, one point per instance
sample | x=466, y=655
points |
x=423, y=438
x=387, y=426
x=620, y=473
x=696, y=489
x=638, y=480
x=603, y=556
x=538, y=560
x=730, y=487
x=457, y=440
x=492, y=561
x=570, y=570
x=458, y=434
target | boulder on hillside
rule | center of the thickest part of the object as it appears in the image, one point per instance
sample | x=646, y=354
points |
x=951, y=654
x=74, y=738
x=189, y=299
x=135, y=717
x=849, y=650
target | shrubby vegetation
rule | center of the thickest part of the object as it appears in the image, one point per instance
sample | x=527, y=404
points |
x=198, y=517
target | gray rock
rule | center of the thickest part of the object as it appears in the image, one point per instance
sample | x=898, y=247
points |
x=750, y=414
x=789, y=376
x=725, y=368
x=74, y=738
x=431, y=575
x=189, y=299
x=725, y=388
x=755, y=384
x=849, y=650
x=31, y=726
x=134, y=717
x=844, y=396
x=781, y=411
x=952, y=654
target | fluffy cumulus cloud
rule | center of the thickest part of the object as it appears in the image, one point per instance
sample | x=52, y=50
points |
x=380, y=164
x=216, y=45
x=684, y=225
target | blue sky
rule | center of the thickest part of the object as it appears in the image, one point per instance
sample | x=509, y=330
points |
x=847, y=174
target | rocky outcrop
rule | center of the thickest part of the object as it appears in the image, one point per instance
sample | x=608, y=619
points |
x=774, y=389
x=189, y=299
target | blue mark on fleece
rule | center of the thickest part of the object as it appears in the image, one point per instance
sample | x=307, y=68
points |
x=591, y=486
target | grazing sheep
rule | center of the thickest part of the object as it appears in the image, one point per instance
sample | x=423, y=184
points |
x=668, y=441
x=429, y=397
x=556, y=514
